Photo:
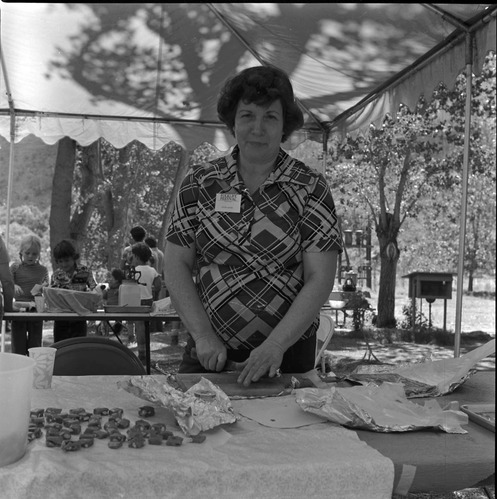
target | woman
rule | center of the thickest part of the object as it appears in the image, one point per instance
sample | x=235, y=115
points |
x=261, y=229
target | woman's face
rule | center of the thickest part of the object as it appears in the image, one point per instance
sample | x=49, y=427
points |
x=30, y=256
x=258, y=131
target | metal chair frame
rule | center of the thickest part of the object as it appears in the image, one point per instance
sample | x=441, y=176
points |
x=323, y=335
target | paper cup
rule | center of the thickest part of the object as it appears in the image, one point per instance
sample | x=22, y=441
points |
x=44, y=358
x=40, y=304
x=16, y=374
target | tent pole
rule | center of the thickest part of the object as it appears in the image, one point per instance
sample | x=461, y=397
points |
x=464, y=200
x=12, y=146
x=10, y=175
x=9, y=184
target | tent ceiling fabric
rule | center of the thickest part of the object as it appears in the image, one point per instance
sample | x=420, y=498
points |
x=152, y=72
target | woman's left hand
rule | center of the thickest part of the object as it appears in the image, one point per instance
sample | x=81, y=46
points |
x=266, y=358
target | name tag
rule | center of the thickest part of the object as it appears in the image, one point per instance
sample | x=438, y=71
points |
x=228, y=202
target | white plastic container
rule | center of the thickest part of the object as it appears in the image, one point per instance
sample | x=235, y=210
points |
x=16, y=379
x=129, y=294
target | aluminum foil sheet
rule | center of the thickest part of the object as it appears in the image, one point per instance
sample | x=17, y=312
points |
x=203, y=407
x=383, y=408
x=412, y=387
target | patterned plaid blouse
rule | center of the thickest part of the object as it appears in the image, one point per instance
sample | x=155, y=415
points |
x=250, y=262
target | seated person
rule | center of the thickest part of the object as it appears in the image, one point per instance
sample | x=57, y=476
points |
x=111, y=294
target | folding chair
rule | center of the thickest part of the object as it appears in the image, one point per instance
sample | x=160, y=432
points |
x=323, y=337
x=94, y=355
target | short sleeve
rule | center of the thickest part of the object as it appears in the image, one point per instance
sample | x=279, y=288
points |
x=320, y=228
x=181, y=230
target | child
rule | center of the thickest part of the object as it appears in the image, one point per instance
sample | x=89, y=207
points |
x=137, y=234
x=70, y=275
x=150, y=281
x=111, y=294
x=27, y=272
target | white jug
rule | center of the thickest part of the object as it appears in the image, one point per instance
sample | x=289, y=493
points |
x=129, y=294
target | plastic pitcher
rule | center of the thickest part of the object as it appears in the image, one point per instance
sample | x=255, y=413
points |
x=16, y=379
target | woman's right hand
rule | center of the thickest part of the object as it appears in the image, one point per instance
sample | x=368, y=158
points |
x=210, y=352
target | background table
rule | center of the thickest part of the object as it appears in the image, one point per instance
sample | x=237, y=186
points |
x=96, y=316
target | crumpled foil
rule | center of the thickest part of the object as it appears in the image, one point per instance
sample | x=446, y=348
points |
x=412, y=387
x=383, y=408
x=428, y=378
x=202, y=407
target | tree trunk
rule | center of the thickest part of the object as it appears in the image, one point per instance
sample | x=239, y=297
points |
x=124, y=212
x=386, y=293
x=112, y=226
x=60, y=209
x=470, y=281
x=118, y=205
x=90, y=166
x=387, y=231
x=166, y=219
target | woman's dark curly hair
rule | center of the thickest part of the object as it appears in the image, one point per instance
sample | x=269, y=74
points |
x=261, y=85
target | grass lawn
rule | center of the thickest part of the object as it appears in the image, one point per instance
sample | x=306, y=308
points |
x=478, y=313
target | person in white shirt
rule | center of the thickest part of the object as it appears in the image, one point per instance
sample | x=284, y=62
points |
x=150, y=281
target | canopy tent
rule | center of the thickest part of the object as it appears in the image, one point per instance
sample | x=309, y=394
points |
x=152, y=72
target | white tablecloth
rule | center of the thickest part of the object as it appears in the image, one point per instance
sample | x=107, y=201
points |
x=244, y=460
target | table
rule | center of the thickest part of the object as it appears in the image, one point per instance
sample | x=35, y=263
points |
x=339, y=301
x=439, y=462
x=96, y=316
x=247, y=459
x=240, y=460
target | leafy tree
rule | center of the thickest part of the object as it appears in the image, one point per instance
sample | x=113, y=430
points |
x=135, y=188
x=409, y=170
x=390, y=169
x=25, y=221
x=431, y=241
